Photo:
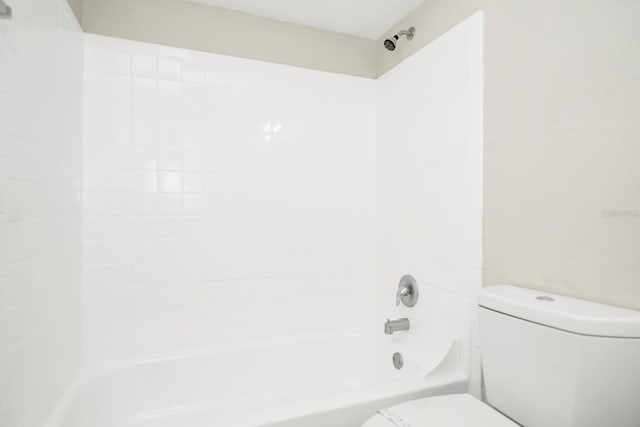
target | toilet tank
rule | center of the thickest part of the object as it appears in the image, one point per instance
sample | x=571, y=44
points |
x=554, y=361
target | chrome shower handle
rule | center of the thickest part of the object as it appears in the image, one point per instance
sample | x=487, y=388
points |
x=407, y=292
x=402, y=291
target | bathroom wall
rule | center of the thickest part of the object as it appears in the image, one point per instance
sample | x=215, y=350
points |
x=562, y=118
x=225, y=201
x=40, y=224
x=430, y=193
x=562, y=184
x=189, y=25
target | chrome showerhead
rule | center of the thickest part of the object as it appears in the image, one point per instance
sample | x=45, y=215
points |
x=391, y=43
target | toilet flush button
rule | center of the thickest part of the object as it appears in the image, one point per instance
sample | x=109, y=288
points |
x=545, y=298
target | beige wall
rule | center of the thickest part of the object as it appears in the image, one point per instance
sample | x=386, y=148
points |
x=562, y=141
x=76, y=7
x=562, y=147
x=188, y=25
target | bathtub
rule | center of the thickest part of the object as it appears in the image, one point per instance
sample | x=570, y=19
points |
x=336, y=381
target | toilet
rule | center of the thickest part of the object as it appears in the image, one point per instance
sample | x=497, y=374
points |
x=547, y=361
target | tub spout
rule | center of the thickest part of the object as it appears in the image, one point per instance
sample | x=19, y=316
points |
x=391, y=326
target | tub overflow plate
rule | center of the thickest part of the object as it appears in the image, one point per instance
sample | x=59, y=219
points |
x=398, y=361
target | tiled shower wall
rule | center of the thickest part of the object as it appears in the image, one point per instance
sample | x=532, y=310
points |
x=430, y=192
x=225, y=200
x=228, y=200
x=40, y=223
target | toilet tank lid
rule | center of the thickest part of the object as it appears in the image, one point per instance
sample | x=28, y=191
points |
x=560, y=312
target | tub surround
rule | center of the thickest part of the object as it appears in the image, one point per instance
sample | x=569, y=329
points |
x=220, y=190
x=225, y=200
x=40, y=211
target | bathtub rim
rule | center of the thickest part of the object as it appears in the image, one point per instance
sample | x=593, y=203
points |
x=447, y=372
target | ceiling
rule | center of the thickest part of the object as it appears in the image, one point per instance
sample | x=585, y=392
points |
x=364, y=18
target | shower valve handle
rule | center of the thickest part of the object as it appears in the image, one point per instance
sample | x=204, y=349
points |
x=402, y=291
x=407, y=292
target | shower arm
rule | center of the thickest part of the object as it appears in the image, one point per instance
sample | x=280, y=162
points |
x=5, y=10
x=409, y=33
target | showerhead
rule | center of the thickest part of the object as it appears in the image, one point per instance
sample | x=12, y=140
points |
x=391, y=43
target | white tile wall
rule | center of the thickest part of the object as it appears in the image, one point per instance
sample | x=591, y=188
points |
x=430, y=190
x=231, y=200
x=40, y=243
x=225, y=200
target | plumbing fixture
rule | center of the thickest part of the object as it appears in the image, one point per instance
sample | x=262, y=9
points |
x=407, y=291
x=392, y=42
x=392, y=326
x=398, y=360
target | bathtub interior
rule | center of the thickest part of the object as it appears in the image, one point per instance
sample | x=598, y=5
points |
x=340, y=376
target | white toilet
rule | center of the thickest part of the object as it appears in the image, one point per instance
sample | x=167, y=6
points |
x=548, y=361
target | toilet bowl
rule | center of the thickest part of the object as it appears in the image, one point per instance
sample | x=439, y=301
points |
x=455, y=410
x=547, y=360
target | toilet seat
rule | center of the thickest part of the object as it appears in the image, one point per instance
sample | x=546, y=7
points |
x=455, y=410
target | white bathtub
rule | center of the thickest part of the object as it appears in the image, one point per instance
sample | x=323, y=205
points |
x=325, y=381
